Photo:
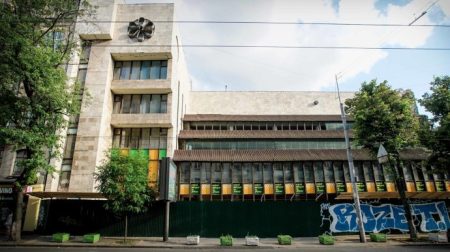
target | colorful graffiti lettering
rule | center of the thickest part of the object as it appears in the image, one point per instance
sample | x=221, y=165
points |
x=433, y=217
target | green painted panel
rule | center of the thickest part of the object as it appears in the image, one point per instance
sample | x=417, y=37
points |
x=361, y=186
x=237, y=188
x=320, y=187
x=420, y=186
x=381, y=186
x=279, y=189
x=440, y=186
x=195, y=189
x=215, y=189
x=299, y=188
x=258, y=189
x=162, y=154
x=340, y=187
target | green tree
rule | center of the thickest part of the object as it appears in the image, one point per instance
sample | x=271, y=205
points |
x=123, y=181
x=386, y=116
x=435, y=133
x=34, y=98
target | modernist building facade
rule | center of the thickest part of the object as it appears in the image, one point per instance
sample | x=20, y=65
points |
x=228, y=146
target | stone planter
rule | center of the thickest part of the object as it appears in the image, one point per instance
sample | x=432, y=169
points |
x=376, y=237
x=193, y=240
x=252, y=241
x=326, y=239
x=284, y=239
x=438, y=237
x=91, y=238
x=226, y=240
x=60, y=237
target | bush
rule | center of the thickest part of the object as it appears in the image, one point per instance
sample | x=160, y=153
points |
x=91, y=238
x=284, y=239
x=326, y=239
x=378, y=237
x=226, y=240
x=60, y=237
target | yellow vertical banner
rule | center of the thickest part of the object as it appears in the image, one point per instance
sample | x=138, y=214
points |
x=124, y=152
x=154, y=154
x=153, y=172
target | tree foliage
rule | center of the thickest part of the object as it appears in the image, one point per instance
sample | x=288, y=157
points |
x=34, y=98
x=435, y=134
x=383, y=116
x=122, y=179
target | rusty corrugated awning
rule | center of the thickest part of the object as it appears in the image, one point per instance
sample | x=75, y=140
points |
x=67, y=195
x=258, y=155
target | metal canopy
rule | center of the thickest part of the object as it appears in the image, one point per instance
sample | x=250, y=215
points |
x=67, y=195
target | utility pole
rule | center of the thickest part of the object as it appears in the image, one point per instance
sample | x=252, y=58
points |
x=362, y=233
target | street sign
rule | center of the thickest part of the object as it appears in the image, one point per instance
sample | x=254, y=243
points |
x=167, y=180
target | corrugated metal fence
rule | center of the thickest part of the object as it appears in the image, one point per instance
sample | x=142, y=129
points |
x=207, y=219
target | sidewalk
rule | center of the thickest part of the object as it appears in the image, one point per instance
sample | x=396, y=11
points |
x=238, y=243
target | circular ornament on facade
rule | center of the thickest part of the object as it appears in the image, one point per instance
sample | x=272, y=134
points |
x=141, y=29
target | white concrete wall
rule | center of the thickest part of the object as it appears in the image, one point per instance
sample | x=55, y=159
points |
x=265, y=103
x=94, y=136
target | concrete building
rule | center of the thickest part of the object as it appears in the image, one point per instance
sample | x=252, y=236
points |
x=228, y=146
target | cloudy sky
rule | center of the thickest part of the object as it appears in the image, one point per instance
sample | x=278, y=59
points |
x=313, y=69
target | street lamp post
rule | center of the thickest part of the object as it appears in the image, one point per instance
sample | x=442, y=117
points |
x=383, y=157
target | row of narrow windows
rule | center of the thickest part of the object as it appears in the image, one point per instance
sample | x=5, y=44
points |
x=278, y=144
x=140, y=104
x=266, y=126
x=140, y=70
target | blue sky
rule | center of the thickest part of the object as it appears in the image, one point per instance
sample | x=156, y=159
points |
x=301, y=69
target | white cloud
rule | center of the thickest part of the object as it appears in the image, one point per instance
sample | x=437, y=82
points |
x=292, y=69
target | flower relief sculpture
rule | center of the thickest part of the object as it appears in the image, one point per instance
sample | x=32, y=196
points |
x=141, y=29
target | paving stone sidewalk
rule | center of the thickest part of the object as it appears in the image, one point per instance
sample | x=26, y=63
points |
x=238, y=243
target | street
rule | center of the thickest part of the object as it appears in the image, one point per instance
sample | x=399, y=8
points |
x=318, y=248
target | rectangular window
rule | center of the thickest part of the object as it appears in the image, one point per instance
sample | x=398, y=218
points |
x=247, y=173
x=206, y=173
x=299, y=176
x=328, y=170
x=70, y=146
x=389, y=173
x=185, y=172
x=346, y=172
x=163, y=108
x=278, y=173
x=268, y=173
x=417, y=171
x=135, y=136
x=226, y=173
x=145, y=70
x=140, y=70
x=155, y=104
x=237, y=173
x=145, y=104
x=116, y=138
x=154, y=138
x=309, y=172
x=318, y=172
x=378, y=171
x=257, y=173
x=117, y=104
x=407, y=171
x=145, y=138
x=288, y=176
x=368, y=172
x=338, y=172
x=125, y=70
x=126, y=104
x=195, y=172
x=216, y=173
x=135, y=104
x=155, y=70
x=359, y=172
x=125, y=141
x=135, y=70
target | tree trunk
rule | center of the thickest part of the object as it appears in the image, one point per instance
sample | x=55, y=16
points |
x=401, y=186
x=18, y=221
x=126, y=229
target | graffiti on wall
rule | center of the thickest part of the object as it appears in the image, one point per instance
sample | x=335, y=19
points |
x=429, y=217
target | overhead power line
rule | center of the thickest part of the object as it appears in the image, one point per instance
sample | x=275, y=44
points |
x=286, y=47
x=272, y=23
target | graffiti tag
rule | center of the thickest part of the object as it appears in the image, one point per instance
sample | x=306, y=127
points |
x=433, y=217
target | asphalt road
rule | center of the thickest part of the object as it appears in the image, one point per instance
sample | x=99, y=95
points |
x=319, y=248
